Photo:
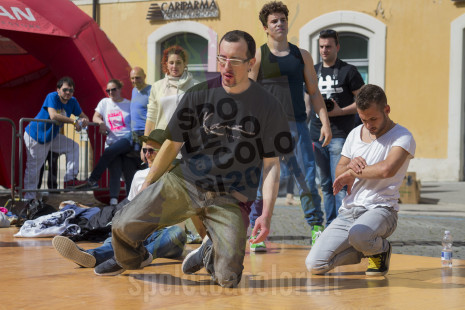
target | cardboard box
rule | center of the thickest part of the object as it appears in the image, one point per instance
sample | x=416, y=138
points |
x=410, y=189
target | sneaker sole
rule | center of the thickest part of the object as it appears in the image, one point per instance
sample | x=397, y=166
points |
x=145, y=263
x=109, y=274
x=68, y=249
x=375, y=274
x=388, y=261
x=257, y=249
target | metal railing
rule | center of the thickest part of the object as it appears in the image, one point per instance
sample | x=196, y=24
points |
x=90, y=144
x=83, y=160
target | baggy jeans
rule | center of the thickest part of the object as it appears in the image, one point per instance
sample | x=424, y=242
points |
x=172, y=200
x=355, y=233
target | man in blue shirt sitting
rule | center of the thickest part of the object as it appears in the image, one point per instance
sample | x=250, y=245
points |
x=40, y=137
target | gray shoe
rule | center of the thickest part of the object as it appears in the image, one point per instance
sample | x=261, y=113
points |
x=111, y=267
x=69, y=250
x=87, y=185
x=194, y=260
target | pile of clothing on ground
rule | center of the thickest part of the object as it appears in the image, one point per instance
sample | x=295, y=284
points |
x=37, y=219
x=76, y=221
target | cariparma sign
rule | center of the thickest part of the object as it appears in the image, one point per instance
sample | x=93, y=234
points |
x=182, y=10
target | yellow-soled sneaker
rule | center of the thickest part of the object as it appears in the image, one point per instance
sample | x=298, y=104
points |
x=379, y=264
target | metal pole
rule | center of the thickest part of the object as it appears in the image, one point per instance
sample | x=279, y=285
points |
x=94, y=10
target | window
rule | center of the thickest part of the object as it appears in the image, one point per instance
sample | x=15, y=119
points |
x=199, y=40
x=363, y=41
x=354, y=50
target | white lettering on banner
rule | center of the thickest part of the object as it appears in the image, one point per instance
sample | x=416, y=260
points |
x=17, y=13
x=5, y=13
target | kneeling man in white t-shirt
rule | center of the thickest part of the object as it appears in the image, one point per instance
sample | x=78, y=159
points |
x=373, y=163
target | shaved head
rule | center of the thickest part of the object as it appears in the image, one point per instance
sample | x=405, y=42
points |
x=137, y=76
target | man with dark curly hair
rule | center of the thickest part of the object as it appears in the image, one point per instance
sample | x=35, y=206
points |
x=283, y=68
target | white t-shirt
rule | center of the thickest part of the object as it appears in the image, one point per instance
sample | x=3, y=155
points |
x=370, y=193
x=117, y=117
x=136, y=184
x=137, y=181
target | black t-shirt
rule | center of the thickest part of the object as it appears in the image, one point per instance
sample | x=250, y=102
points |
x=283, y=76
x=348, y=79
x=226, y=136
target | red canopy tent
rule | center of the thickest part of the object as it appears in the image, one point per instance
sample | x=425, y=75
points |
x=41, y=41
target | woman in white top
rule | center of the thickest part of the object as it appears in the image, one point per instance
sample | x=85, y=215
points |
x=113, y=116
x=167, y=92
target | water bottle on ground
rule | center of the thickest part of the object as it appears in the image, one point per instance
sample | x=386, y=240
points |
x=446, y=253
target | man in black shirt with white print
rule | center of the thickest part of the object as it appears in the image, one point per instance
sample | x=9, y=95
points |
x=338, y=82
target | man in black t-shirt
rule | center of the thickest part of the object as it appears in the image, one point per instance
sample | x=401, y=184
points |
x=338, y=82
x=227, y=129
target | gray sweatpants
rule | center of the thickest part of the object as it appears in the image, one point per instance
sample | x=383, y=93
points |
x=354, y=234
x=172, y=200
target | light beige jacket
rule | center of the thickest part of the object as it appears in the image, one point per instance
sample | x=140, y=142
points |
x=165, y=97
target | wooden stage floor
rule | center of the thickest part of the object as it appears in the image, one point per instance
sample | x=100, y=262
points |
x=34, y=276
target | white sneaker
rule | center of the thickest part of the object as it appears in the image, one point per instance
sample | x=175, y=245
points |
x=113, y=202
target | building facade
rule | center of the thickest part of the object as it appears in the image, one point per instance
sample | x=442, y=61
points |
x=414, y=49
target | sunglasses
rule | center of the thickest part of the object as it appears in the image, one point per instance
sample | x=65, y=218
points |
x=234, y=62
x=149, y=151
x=111, y=90
x=68, y=90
